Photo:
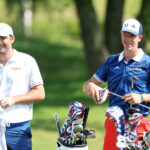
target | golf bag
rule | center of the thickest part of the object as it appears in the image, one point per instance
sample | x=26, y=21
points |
x=61, y=145
x=73, y=133
x=132, y=133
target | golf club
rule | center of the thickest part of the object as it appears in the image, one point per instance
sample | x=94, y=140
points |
x=132, y=85
x=89, y=133
x=57, y=124
x=77, y=128
x=85, y=117
x=133, y=80
x=123, y=98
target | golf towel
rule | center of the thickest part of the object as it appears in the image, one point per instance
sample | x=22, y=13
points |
x=2, y=135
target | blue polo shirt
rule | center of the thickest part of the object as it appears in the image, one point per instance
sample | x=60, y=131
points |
x=119, y=75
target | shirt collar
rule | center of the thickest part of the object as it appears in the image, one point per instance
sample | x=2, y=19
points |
x=13, y=58
x=137, y=58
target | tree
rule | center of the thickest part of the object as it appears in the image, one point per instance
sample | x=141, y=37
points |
x=143, y=17
x=26, y=16
x=25, y=13
x=113, y=25
x=95, y=51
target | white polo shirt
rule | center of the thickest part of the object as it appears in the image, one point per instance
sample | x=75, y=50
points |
x=17, y=77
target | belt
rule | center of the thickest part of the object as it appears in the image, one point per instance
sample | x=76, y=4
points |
x=9, y=125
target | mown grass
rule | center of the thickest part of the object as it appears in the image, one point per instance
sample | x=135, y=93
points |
x=64, y=72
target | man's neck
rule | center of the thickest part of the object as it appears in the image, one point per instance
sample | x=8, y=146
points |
x=128, y=55
x=4, y=57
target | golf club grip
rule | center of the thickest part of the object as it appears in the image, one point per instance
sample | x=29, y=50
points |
x=85, y=117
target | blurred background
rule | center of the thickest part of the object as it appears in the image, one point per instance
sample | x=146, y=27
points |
x=70, y=39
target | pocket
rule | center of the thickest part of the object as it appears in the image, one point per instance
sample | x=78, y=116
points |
x=28, y=132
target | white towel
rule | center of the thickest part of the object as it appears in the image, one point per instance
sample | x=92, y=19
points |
x=1, y=109
x=2, y=135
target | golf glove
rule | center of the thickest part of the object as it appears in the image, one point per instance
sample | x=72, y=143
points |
x=103, y=95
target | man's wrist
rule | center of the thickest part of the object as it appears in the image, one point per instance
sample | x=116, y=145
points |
x=142, y=99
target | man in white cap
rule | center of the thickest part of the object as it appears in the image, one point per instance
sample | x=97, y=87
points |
x=118, y=70
x=21, y=85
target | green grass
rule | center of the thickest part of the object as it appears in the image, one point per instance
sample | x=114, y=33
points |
x=45, y=132
x=58, y=49
x=64, y=72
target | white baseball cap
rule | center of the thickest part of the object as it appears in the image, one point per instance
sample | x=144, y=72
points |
x=133, y=26
x=5, y=30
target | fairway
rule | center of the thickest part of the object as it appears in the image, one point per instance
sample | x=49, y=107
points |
x=46, y=134
x=64, y=72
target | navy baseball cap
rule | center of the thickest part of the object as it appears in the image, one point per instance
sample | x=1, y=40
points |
x=132, y=26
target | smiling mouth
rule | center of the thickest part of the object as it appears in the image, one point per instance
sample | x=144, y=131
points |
x=129, y=45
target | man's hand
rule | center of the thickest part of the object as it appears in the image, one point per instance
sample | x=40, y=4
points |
x=103, y=94
x=93, y=89
x=133, y=98
x=6, y=102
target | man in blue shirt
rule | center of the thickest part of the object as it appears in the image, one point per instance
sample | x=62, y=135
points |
x=118, y=70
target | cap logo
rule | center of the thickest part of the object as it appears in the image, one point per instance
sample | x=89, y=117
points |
x=126, y=25
x=133, y=26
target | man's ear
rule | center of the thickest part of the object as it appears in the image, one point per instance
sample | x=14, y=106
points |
x=12, y=37
x=140, y=37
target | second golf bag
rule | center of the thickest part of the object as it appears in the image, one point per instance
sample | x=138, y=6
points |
x=133, y=133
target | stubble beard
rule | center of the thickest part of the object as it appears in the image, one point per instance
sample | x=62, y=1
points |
x=4, y=51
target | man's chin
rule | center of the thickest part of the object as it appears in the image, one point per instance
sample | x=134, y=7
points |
x=129, y=48
x=2, y=52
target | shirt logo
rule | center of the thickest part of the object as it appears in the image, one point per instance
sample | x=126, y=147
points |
x=117, y=67
x=137, y=69
x=15, y=68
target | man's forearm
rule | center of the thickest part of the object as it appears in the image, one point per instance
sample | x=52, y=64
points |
x=35, y=95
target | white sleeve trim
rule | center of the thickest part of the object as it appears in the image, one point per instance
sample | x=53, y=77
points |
x=100, y=80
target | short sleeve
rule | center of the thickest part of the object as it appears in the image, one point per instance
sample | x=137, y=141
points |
x=34, y=74
x=102, y=72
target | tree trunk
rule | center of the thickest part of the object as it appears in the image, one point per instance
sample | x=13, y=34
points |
x=95, y=51
x=26, y=16
x=113, y=25
x=144, y=19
